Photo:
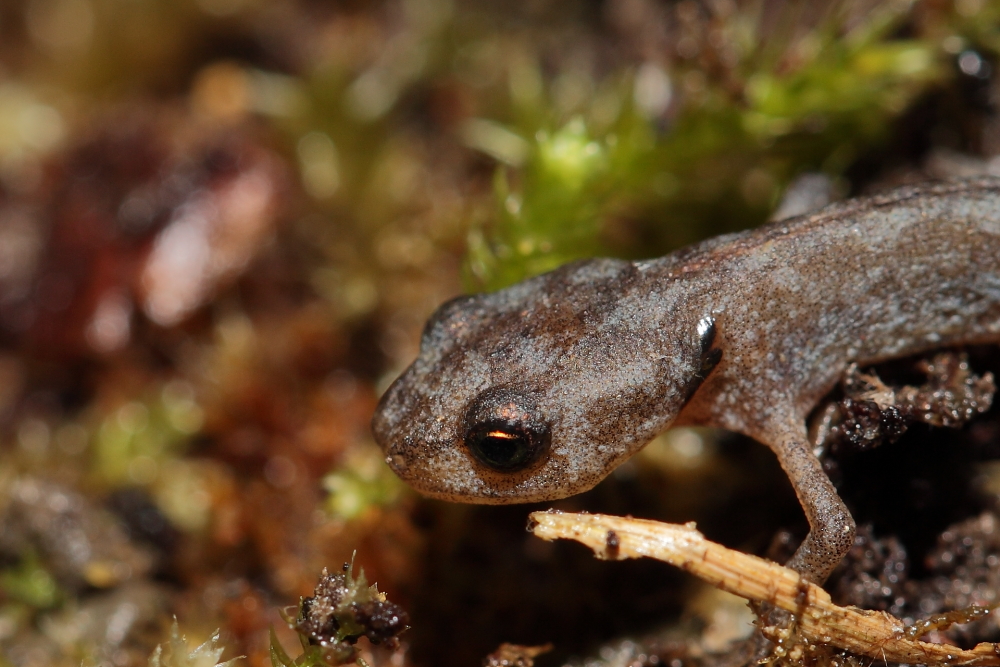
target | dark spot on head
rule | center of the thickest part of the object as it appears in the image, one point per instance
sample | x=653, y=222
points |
x=710, y=355
x=706, y=333
x=709, y=360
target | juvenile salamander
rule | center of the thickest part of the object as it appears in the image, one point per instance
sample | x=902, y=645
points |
x=540, y=390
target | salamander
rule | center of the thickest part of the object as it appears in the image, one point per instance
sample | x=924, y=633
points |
x=538, y=391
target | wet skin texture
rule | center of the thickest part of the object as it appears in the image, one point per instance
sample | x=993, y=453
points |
x=540, y=390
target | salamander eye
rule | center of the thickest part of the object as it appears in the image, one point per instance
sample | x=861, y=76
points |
x=503, y=431
x=503, y=446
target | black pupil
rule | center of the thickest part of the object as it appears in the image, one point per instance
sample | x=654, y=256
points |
x=501, y=446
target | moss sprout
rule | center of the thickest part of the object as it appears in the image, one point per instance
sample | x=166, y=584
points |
x=343, y=609
x=174, y=652
x=361, y=482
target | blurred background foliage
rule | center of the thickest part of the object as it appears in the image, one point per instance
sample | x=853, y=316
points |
x=223, y=223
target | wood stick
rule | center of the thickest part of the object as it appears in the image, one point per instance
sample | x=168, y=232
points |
x=870, y=633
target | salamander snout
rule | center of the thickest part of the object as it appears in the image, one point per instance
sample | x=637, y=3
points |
x=495, y=447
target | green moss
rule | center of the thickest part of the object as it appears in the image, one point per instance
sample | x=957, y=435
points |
x=174, y=652
x=30, y=583
x=134, y=441
x=718, y=160
x=361, y=482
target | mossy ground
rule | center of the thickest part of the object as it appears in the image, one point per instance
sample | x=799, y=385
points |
x=223, y=223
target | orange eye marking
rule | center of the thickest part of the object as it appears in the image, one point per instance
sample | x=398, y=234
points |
x=501, y=434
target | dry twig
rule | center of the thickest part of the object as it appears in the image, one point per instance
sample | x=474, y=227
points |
x=870, y=633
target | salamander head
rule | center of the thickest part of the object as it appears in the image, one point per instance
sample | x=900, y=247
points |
x=538, y=391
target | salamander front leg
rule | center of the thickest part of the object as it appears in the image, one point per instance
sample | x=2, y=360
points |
x=831, y=526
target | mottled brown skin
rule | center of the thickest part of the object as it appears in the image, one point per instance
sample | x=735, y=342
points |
x=605, y=354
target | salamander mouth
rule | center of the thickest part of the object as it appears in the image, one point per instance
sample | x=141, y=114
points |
x=487, y=497
x=444, y=472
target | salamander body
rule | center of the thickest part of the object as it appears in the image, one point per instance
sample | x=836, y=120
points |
x=540, y=390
